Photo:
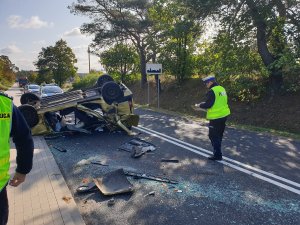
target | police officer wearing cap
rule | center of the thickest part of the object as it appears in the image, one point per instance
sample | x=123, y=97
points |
x=217, y=112
x=12, y=124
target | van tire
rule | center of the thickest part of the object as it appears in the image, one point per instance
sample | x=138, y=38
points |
x=111, y=92
x=29, y=98
x=104, y=79
x=30, y=114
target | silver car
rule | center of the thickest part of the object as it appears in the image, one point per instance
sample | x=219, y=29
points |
x=32, y=88
x=49, y=90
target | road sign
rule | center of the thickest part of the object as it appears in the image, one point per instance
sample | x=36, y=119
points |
x=153, y=68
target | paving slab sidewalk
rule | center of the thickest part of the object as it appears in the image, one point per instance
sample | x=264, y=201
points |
x=44, y=198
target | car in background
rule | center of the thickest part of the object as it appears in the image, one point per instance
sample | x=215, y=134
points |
x=23, y=81
x=32, y=88
x=49, y=90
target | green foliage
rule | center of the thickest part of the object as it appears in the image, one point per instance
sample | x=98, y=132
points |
x=118, y=20
x=272, y=25
x=31, y=75
x=86, y=81
x=179, y=34
x=242, y=87
x=56, y=62
x=7, y=72
x=119, y=61
x=224, y=56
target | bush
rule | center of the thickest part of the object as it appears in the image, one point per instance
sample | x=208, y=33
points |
x=245, y=88
x=86, y=81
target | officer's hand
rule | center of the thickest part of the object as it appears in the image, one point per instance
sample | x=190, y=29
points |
x=197, y=105
x=17, y=179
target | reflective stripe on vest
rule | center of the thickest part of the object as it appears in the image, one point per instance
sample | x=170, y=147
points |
x=220, y=107
x=5, y=126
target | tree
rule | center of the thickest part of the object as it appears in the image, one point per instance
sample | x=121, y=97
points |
x=31, y=75
x=119, y=59
x=118, y=21
x=178, y=33
x=7, y=70
x=274, y=24
x=56, y=62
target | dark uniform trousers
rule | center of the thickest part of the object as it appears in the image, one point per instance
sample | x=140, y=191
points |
x=215, y=134
x=3, y=207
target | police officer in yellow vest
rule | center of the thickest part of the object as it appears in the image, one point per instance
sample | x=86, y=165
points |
x=12, y=124
x=217, y=112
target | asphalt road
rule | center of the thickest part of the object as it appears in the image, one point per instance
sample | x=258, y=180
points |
x=258, y=182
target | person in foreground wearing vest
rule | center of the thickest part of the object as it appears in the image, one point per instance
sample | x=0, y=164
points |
x=12, y=124
x=217, y=112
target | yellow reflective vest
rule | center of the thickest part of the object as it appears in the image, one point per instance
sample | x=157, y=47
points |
x=220, y=107
x=6, y=107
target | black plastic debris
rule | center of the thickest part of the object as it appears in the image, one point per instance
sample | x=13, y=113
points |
x=150, y=177
x=114, y=182
x=170, y=160
x=99, y=163
x=59, y=149
x=86, y=187
x=111, y=202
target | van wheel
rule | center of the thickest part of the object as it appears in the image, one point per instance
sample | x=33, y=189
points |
x=111, y=92
x=104, y=79
x=30, y=114
x=29, y=98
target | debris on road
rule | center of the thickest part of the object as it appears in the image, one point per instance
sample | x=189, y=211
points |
x=86, y=187
x=170, y=160
x=59, y=148
x=150, y=177
x=111, y=202
x=99, y=163
x=152, y=193
x=67, y=199
x=114, y=182
x=137, y=147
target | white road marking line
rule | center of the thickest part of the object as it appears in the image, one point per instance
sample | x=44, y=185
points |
x=202, y=150
x=228, y=159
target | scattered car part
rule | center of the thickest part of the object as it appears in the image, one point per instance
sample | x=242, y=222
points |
x=111, y=202
x=86, y=187
x=99, y=163
x=114, y=182
x=152, y=193
x=141, y=145
x=150, y=177
x=138, y=151
x=170, y=160
x=59, y=149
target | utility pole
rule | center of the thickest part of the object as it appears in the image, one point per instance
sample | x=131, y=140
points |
x=89, y=53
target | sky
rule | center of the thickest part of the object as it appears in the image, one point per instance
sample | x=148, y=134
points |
x=27, y=26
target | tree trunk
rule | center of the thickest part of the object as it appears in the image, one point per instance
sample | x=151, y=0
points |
x=143, y=67
x=275, y=77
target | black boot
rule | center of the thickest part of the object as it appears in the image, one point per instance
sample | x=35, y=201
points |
x=215, y=158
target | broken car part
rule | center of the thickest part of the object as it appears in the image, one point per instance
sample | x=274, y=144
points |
x=114, y=182
x=98, y=163
x=86, y=187
x=170, y=160
x=137, y=147
x=150, y=177
x=59, y=148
